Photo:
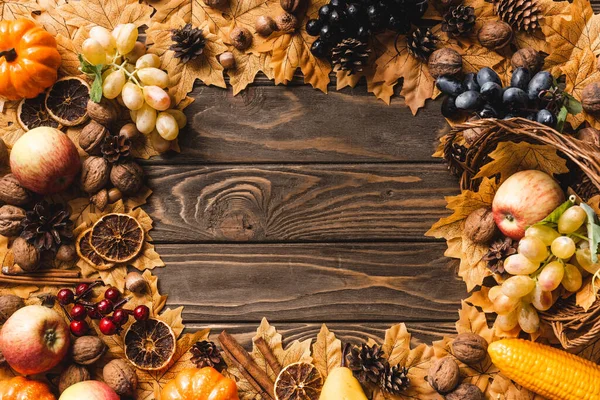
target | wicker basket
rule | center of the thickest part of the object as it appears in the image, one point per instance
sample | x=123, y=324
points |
x=466, y=149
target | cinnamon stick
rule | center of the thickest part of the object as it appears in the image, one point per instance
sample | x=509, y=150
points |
x=49, y=281
x=247, y=375
x=267, y=353
x=62, y=273
x=230, y=345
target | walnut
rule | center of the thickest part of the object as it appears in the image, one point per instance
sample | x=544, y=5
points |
x=10, y=220
x=216, y=3
x=127, y=177
x=241, y=38
x=135, y=282
x=104, y=113
x=528, y=58
x=66, y=253
x=466, y=391
x=94, y=174
x=87, y=350
x=286, y=22
x=444, y=375
x=445, y=61
x=291, y=6
x=71, y=375
x=589, y=135
x=11, y=191
x=9, y=303
x=480, y=226
x=26, y=255
x=121, y=377
x=100, y=199
x=590, y=98
x=227, y=60
x=495, y=35
x=3, y=153
x=469, y=348
x=265, y=25
x=91, y=138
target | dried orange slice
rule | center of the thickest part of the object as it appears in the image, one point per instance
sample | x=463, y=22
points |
x=32, y=113
x=299, y=381
x=150, y=344
x=67, y=99
x=87, y=253
x=117, y=237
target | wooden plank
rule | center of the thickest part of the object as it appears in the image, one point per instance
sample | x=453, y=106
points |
x=311, y=282
x=297, y=203
x=300, y=124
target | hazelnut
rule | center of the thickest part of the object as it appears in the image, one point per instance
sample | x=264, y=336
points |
x=588, y=135
x=135, y=282
x=10, y=220
x=87, y=350
x=26, y=255
x=114, y=195
x=91, y=138
x=3, y=153
x=127, y=177
x=466, y=391
x=470, y=348
x=495, y=35
x=241, y=38
x=94, y=174
x=104, y=113
x=66, y=253
x=590, y=98
x=528, y=58
x=121, y=377
x=159, y=143
x=216, y=3
x=100, y=199
x=480, y=226
x=291, y=6
x=227, y=60
x=286, y=22
x=9, y=303
x=71, y=375
x=129, y=130
x=444, y=375
x=265, y=25
x=445, y=61
x=11, y=191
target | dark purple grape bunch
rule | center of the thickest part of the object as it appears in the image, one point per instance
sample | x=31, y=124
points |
x=359, y=19
x=482, y=95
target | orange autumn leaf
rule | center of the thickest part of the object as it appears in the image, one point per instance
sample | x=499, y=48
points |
x=581, y=71
x=247, y=67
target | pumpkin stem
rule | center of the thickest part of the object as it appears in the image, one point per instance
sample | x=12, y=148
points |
x=10, y=55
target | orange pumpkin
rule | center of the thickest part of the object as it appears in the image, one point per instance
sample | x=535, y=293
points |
x=200, y=384
x=29, y=59
x=20, y=388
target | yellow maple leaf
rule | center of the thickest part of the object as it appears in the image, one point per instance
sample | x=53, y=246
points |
x=588, y=294
x=14, y=9
x=106, y=13
x=396, y=344
x=580, y=71
x=481, y=300
x=69, y=49
x=52, y=20
x=10, y=130
x=326, y=351
x=345, y=79
x=476, y=57
x=247, y=67
x=503, y=388
x=381, y=90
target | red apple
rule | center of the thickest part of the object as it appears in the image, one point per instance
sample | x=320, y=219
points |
x=34, y=340
x=523, y=199
x=44, y=160
x=89, y=390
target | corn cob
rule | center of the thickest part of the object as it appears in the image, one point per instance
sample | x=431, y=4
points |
x=552, y=373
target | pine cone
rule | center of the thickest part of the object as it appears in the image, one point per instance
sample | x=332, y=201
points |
x=499, y=251
x=522, y=15
x=350, y=55
x=189, y=43
x=116, y=149
x=206, y=354
x=367, y=363
x=47, y=226
x=459, y=20
x=421, y=43
x=394, y=380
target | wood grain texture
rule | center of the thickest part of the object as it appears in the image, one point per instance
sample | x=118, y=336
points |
x=297, y=203
x=311, y=282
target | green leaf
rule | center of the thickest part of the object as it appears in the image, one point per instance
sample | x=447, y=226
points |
x=96, y=90
x=561, y=118
x=96, y=72
x=553, y=217
x=572, y=104
x=593, y=231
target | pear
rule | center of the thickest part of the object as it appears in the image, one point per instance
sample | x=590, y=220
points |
x=342, y=385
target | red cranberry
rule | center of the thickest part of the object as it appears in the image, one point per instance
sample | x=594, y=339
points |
x=78, y=312
x=107, y=326
x=112, y=294
x=65, y=296
x=94, y=314
x=81, y=288
x=105, y=307
x=79, y=328
x=141, y=313
x=120, y=316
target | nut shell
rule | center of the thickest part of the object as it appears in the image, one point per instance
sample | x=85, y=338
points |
x=104, y=113
x=241, y=38
x=91, y=138
x=528, y=58
x=127, y=177
x=590, y=98
x=286, y=22
x=25, y=254
x=444, y=375
x=135, y=282
x=470, y=348
x=264, y=25
x=66, y=253
x=589, y=135
x=100, y=199
x=121, y=377
x=3, y=153
x=11, y=191
x=216, y=3
x=291, y=6
x=466, y=391
x=86, y=350
x=495, y=35
x=9, y=303
x=71, y=375
x=10, y=220
x=445, y=61
x=480, y=226
x=95, y=172
x=227, y=60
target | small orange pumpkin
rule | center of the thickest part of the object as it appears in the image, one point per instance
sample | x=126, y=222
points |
x=200, y=384
x=20, y=388
x=29, y=59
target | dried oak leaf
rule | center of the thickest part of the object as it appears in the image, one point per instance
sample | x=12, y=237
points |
x=326, y=351
x=106, y=13
x=14, y=9
x=509, y=158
